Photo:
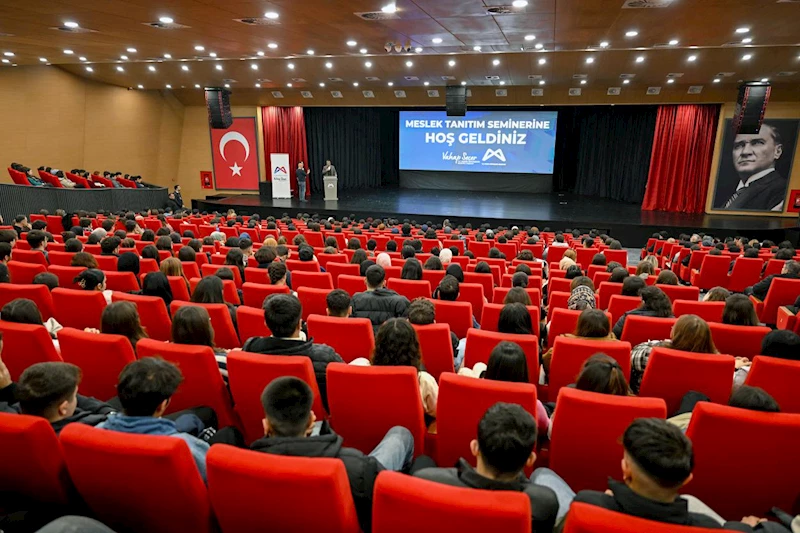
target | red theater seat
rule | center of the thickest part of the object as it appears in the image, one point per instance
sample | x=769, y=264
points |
x=349, y=337
x=436, y=346
x=23, y=273
x=564, y=321
x=256, y=293
x=618, y=305
x=100, y=357
x=337, y=269
x=30, y=257
x=480, y=344
x=457, y=314
x=152, y=314
x=708, y=311
x=225, y=335
x=742, y=341
x=746, y=272
x=78, y=308
x=40, y=295
x=313, y=300
x=409, y=288
x=25, y=345
x=121, y=281
x=779, y=378
x=251, y=323
x=210, y=270
x=295, y=265
x=569, y=355
x=312, y=280
x=680, y=292
x=473, y=293
x=782, y=291
x=713, y=272
x=587, y=518
x=66, y=275
x=639, y=329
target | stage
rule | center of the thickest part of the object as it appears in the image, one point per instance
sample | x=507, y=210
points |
x=625, y=221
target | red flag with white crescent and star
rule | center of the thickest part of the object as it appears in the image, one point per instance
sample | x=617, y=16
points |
x=235, y=155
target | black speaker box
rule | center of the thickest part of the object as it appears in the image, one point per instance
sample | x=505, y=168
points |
x=750, y=107
x=219, y=107
x=456, y=100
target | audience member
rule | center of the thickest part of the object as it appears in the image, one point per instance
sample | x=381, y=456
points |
x=122, y=318
x=717, y=294
x=739, y=311
x=654, y=303
x=412, y=270
x=92, y=279
x=338, y=304
x=192, y=325
x=378, y=303
x=157, y=284
x=791, y=270
x=46, y=278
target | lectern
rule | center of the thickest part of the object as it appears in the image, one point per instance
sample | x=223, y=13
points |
x=331, y=184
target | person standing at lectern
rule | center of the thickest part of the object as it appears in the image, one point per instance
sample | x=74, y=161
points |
x=301, y=175
x=761, y=187
x=328, y=169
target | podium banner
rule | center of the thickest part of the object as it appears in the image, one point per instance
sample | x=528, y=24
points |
x=281, y=184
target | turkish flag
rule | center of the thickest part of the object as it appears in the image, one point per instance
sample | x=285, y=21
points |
x=234, y=152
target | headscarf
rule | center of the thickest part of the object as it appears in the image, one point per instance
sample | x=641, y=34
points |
x=128, y=262
x=581, y=298
x=383, y=260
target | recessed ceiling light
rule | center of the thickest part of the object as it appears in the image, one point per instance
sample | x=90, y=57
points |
x=625, y=82
x=764, y=80
x=476, y=48
x=541, y=82
x=670, y=80
x=8, y=54
x=123, y=57
x=6, y=61
x=254, y=66
x=351, y=43
x=291, y=66
x=436, y=40
x=260, y=53
x=368, y=64
x=747, y=40
x=120, y=69
x=389, y=8
x=589, y=60
x=321, y=84
x=68, y=52
x=363, y=50
x=271, y=15
x=716, y=80
x=390, y=83
x=495, y=62
x=542, y=61
x=258, y=85
x=355, y=84
x=409, y=63
x=519, y=3
x=71, y=24
x=151, y=68
x=631, y=33
x=169, y=86
x=583, y=82
x=288, y=84
x=418, y=49
x=227, y=85
x=131, y=50
x=43, y=59
x=140, y=86
x=212, y=54
x=165, y=20
x=604, y=44
x=310, y=52
x=691, y=58
x=502, y=83
x=219, y=67
x=82, y=58
x=452, y=62
x=530, y=37
x=742, y=30
x=196, y=85
x=640, y=59
x=329, y=64
x=167, y=56
x=89, y=69
x=273, y=46
x=199, y=48
x=673, y=42
x=426, y=83
x=539, y=46
x=463, y=83
x=746, y=57
x=184, y=68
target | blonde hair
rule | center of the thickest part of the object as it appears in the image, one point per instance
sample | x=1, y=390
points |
x=270, y=241
x=171, y=267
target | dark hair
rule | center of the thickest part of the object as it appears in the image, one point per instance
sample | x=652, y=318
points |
x=781, y=343
x=287, y=405
x=375, y=276
x=128, y=262
x=46, y=278
x=654, y=299
x=35, y=238
x=209, y=291
x=412, y=270
x=455, y=270
x=122, y=318
x=191, y=324
x=754, y=399
x=599, y=259
x=421, y=312
x=519, y=279
x=433, y=263
x=518, y=295
x=157, y=284
x=448, y=289
x=22, y=311
x=187, y=253
x=592, y=323
x=483, y=268
x=660, y=450
x=276, y=271
x=397, y=345
x=507, y=363
x=43, y=387
x=282, y=314
x=739, y=311
x=601, y=373
x=151, y=252
x=620, y=275
x=359, y=256
x=73, y=245
x=573, y=271
x=581, y=281
x=338, y=302
x=164, y=243
x=667, y=277
x=515, y=319
x=148, y=236
x=265, y=255
x=506, y=437
x=90, y=279
x=145, y=383
x=633, y=286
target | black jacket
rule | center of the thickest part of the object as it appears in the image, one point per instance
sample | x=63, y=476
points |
x=760, y=289
x=762, y=195
x=621, y=322
x=628, y=502
x=361, y=469
x=179, y=199
x=544, y=504
x=173, y=205
x=379, y=306
x=320, y=354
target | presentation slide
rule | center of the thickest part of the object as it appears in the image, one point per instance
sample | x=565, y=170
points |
x=521, y=142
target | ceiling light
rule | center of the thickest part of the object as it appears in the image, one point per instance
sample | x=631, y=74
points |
x=70, y=24
x=291, y=66
x=604, y=44
x=273, y=46
x=368, y=64
x=436, y=40
x=742, y=30
x=716, y=80
x=131, y=50
x=519, y=3
x=673, y=42
x=589, y=60
x=670, y=80
x=271, y=15
x=476, y=48
x=542, y=61
x=764, y=80
x=631, y=33
x=495, y=62
x=260, y=53
x=288, y=84
x=124, y=58
x=310, y=52
x=212, y=54
x=120, y=69
x=196, y=85
x=390, y=83
x=227, y=85
x=254, y=66
x=746, y=57
x=530, y=37
x=167, y=56
x=539, y=46
x=8, y=54
x=691, y=58
x=69, y=52
x=583, y=82
x=169, y=86
x=502, y=83
x=625, y=82
x=389, y=8
x=43, y=59
x=747, y=40
x=463, y=83
x=185, y=68
x=6, y=61
x=151, y=68
x=418, y=49
x=329, y=64
x=426, y=83
x=351, y=43
x=140, y=86
x=199, y=48
x=258, y=85
x=219, y=67
x=363, y=50
x=640, y=59
x=355, y=84
x=321, y=84
x=82, y=58
x=165, y=20
x=452, y=62
x=541, y=82
x=409, y=63
x=89, y=69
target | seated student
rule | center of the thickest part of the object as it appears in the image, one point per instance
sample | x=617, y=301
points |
x=791, y=270
x=46, y=278
x=210, y=291
x=288, y=430
x=5, y=277
x=743, y=397
x=338, y=302
x=568, y=259
x=517, y=295
x=144, y=389
x=781, y=343
x=110, y=246
x=186, y=254
x=654, y=303
x=421, y=312
x=5, y=253
x=592, y=325
x=412, y=270
x=504, y=447
x=657, y=462
x=50, y=391
x=378, y=303
x=128, y=262
x=37, y=240
x=25, y=311
x=122, y=318
x=581, y=294
x=448, y=291
x=235, y=259
x=192, y=325
x=157, y=284
x=739, y=311
x=282, y=314
x=278, y=274
x=92, y=279
x=717, y=294
x=667, y=277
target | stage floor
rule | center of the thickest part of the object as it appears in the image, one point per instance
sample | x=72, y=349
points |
x=625, y=221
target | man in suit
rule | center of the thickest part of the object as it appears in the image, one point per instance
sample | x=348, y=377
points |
x=791, y=270
x=761, y=187
x=178, y=197
x=328, y=169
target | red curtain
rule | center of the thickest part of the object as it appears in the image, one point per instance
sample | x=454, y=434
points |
x=680, y=163
x=285, y=133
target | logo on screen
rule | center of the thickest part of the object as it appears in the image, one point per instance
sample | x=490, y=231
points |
x=282, y=170
x=494, y=153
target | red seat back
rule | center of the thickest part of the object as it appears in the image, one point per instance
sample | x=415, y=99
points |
x=769, y=476
x=153, y=314
x=40, y=295
x=462, y=403
x=569, y=355
x=434, y=277
x=565, y=321
x=778, y=377
x=295, y=265
x=480, y=249
x=585, y=256
x=30, y=257
x=680, y=292
x=437, y=348
x=620, y=256
x=352, y=284
x=106, y=262
x=457, y=314
x=480, y=344
x=97, y=459
x=256, y=293
x=100, y=357
x=78, y=308
x=225, y=335
x=606, y=417
x=312, y=280
x=255, y=275
x=606, y=291
x=210, y=270
x=180, y=289
x=713, y=272
x=639, y=329
x=66, y=275
x=313, y=300
x=746, y=272
x=742, y=341
x=349, y=337
x=388, y=396
x=121, y=281
x=782, y=291
x=474, y=294
x=18, y=177
x=202, y=383
x=708, y=311
x=60, y=258
x=251, y=323
x=337, y=269
x=670, y=374
x=411, y=289
x=491, y=316
x=23, y=273
x=250, y=373
x=500, y=294
x=486, y=280
x=558, y=300
x=619, y=305
x=588, y=518
x=191, y=269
